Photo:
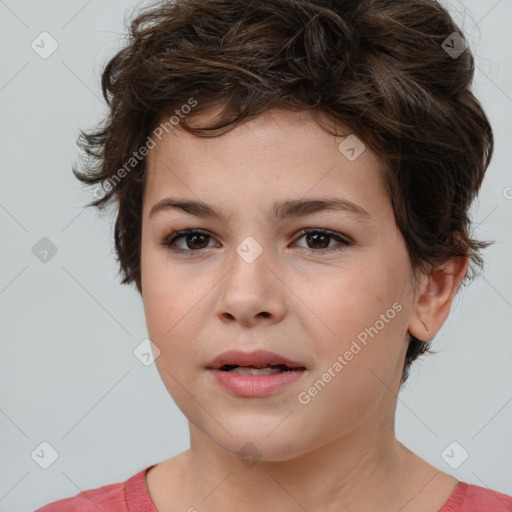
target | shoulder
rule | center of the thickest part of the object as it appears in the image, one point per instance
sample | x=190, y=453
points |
x=474, y=498
x=108, y=498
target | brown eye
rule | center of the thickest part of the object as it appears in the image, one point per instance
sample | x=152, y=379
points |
x=318, y=240
x=194, y=241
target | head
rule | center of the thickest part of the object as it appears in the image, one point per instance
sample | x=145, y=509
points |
x=245, y=106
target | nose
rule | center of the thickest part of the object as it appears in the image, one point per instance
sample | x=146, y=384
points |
x=252, y=292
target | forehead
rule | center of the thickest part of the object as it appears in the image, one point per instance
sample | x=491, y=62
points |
x=280, y=154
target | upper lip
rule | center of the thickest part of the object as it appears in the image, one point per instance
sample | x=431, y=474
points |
x=254, y=358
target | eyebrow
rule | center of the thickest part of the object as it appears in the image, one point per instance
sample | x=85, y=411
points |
x=278, y=212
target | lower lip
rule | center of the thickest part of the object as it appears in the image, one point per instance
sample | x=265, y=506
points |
x=255, y=385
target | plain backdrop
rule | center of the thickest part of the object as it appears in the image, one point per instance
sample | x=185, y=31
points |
x=68, y=374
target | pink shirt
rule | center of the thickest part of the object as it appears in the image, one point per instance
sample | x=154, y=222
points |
x=133, y=496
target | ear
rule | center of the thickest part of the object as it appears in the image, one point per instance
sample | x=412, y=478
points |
x=433, y=298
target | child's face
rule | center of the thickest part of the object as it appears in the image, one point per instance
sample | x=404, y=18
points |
x=292, y=300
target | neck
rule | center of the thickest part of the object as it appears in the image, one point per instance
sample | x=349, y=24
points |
x=357, y=471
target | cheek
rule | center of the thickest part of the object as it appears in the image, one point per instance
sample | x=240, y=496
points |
x=175, y=309
x=348, y=299
x=365, y=315
x=162, y=293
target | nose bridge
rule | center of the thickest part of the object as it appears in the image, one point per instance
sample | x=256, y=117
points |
x=250, y=288
x=250, y=261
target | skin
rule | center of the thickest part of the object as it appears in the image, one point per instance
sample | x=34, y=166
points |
x=339, y=451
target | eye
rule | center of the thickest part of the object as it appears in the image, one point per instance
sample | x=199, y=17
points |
x=322, y=237
x=192, y=237
x=196, y=240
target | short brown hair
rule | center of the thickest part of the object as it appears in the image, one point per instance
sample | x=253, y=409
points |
x=381, y=68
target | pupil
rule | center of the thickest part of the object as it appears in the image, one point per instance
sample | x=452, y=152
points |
x=193, y=236
x=319, y=235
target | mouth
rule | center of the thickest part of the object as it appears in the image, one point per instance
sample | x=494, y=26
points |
x=262, y=361
x=258, y=370
x=254, y=374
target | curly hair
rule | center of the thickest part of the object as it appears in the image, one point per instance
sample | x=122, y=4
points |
x=396, y=73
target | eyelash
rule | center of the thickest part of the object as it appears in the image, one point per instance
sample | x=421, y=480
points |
x=168, y=243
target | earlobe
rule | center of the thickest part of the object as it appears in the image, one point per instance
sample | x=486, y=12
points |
x=433, y=299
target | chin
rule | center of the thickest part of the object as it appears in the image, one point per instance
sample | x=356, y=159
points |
x=255, y=445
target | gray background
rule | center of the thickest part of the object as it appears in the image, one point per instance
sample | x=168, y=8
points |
x=68, y=374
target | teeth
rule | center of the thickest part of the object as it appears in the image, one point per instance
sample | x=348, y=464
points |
x=241, y=370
